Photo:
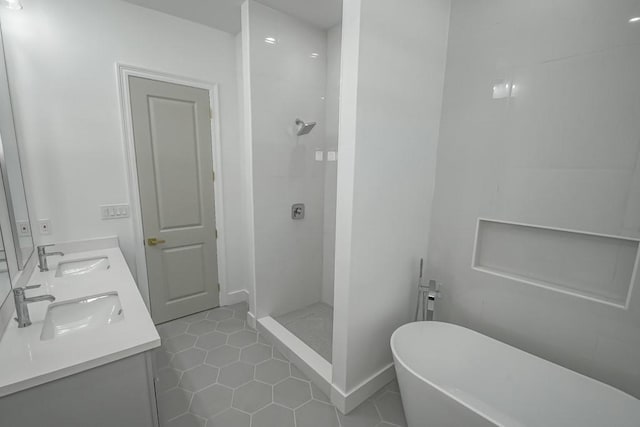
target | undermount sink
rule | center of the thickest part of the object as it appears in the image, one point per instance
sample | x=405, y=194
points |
x=81, y=314
x=82, y=266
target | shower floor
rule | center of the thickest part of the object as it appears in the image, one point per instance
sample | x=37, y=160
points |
x=313, y=325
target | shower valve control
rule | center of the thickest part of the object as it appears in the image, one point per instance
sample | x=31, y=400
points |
x=297, y=211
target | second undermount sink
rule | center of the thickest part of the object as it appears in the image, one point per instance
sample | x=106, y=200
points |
x=81, y=267
x=81, y=314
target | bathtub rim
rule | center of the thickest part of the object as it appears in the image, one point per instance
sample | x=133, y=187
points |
x=480, y=412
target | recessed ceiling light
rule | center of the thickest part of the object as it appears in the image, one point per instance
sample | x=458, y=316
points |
x=314, y=55
x=12, y=4
x=270, y=40
x=635, y=19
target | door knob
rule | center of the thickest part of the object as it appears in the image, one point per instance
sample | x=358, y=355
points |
x=152, y=241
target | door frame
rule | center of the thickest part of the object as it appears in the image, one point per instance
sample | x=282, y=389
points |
x=123, y=73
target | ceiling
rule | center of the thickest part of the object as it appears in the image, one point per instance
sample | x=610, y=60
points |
x=225, y=14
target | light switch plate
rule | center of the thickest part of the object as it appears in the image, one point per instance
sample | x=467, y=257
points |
x=319, y=156
x=332, y=156
x=114, y=211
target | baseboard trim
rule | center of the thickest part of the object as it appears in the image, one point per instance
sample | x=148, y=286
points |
x=251, y=320
x=347, y=402
x=234, y=297
x=317, y=369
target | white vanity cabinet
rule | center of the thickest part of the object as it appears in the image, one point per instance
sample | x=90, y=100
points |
x=118, y=394
x=92, y=370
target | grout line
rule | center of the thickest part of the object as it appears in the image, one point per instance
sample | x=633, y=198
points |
x=281, y=358
x=375, y=405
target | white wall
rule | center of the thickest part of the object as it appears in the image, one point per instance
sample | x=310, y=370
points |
x=15, y=182
x=62, y=63
x=391, y=95
x=563, y=152
x=332, y=99
x=245, y=214
x=286, y=83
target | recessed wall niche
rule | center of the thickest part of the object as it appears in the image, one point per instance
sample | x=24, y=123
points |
x=592, y=266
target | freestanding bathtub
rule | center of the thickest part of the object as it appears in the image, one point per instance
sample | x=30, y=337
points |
x=451, y=376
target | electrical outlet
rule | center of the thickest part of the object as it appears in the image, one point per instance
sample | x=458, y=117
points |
x=45, y=226
x=24, y=229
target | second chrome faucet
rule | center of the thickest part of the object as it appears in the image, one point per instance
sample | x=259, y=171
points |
x=21, y=301
x=42, y=257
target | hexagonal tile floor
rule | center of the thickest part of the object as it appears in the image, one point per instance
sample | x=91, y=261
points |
x=215, y=371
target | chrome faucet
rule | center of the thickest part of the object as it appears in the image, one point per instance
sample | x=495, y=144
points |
x=22, y=309
x=427, y=296
x=42, y=257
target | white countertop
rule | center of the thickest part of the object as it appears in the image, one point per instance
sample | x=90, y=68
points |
x=26, y=361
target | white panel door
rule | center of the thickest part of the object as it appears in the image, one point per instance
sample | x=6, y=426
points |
x=172, y=135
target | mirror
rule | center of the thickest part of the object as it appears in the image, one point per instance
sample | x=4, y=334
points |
x=5, y=282
x=16, y=200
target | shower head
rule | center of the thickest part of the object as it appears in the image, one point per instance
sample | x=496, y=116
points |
x=303, y=127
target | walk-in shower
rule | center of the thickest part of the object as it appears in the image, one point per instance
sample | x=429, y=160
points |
x=294, y=91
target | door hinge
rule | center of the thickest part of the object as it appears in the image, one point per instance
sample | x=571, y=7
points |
x=216, y=233
x=218, y=287
x=210, y=113
x=213, y=175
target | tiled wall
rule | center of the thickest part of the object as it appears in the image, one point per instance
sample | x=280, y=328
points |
x=556, y=144
x=334, y=38
x=288, y=61
x=390, y=102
